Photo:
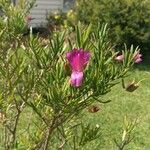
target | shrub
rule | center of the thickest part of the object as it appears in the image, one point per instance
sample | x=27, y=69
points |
x=41, y=100
x=15, y=17
x=61, y=20
x=128, y=20
x=55, y=19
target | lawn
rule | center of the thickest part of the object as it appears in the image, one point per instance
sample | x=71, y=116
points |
x=133, y=105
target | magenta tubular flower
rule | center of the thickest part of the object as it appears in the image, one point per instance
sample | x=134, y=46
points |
x=78, y=59
x=120, y=58
x=137, y=58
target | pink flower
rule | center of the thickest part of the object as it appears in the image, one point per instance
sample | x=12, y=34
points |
x=78, y=59
x=120, y=58
x=76, y=78
x=137, y=58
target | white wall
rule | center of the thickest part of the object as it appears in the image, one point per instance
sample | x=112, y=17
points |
x=43, y=7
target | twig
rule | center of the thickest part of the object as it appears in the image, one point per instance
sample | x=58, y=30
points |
x=13, y=131
x=50, y=130
x=62, y=138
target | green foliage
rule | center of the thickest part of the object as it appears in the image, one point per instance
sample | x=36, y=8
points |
x=33, y=79
x=61, y=20
x=15, y=17
x=128, y=20
x=55, y=19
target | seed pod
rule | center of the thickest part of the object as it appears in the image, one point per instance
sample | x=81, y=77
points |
x=132, y=87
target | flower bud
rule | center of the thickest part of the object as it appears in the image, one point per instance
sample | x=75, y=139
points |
x=29, y=19
x=119, y=58
x=137, y=57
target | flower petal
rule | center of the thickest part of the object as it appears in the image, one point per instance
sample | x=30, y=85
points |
x=78, y=59
x=76, y=78
x=138, y=60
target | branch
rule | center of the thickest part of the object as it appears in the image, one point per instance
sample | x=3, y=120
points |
x=50, y=130
x=14, y=130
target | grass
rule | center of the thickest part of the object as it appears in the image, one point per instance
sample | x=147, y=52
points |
x=133, y=105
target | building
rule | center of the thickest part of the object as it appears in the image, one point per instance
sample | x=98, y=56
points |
x=42, y=7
